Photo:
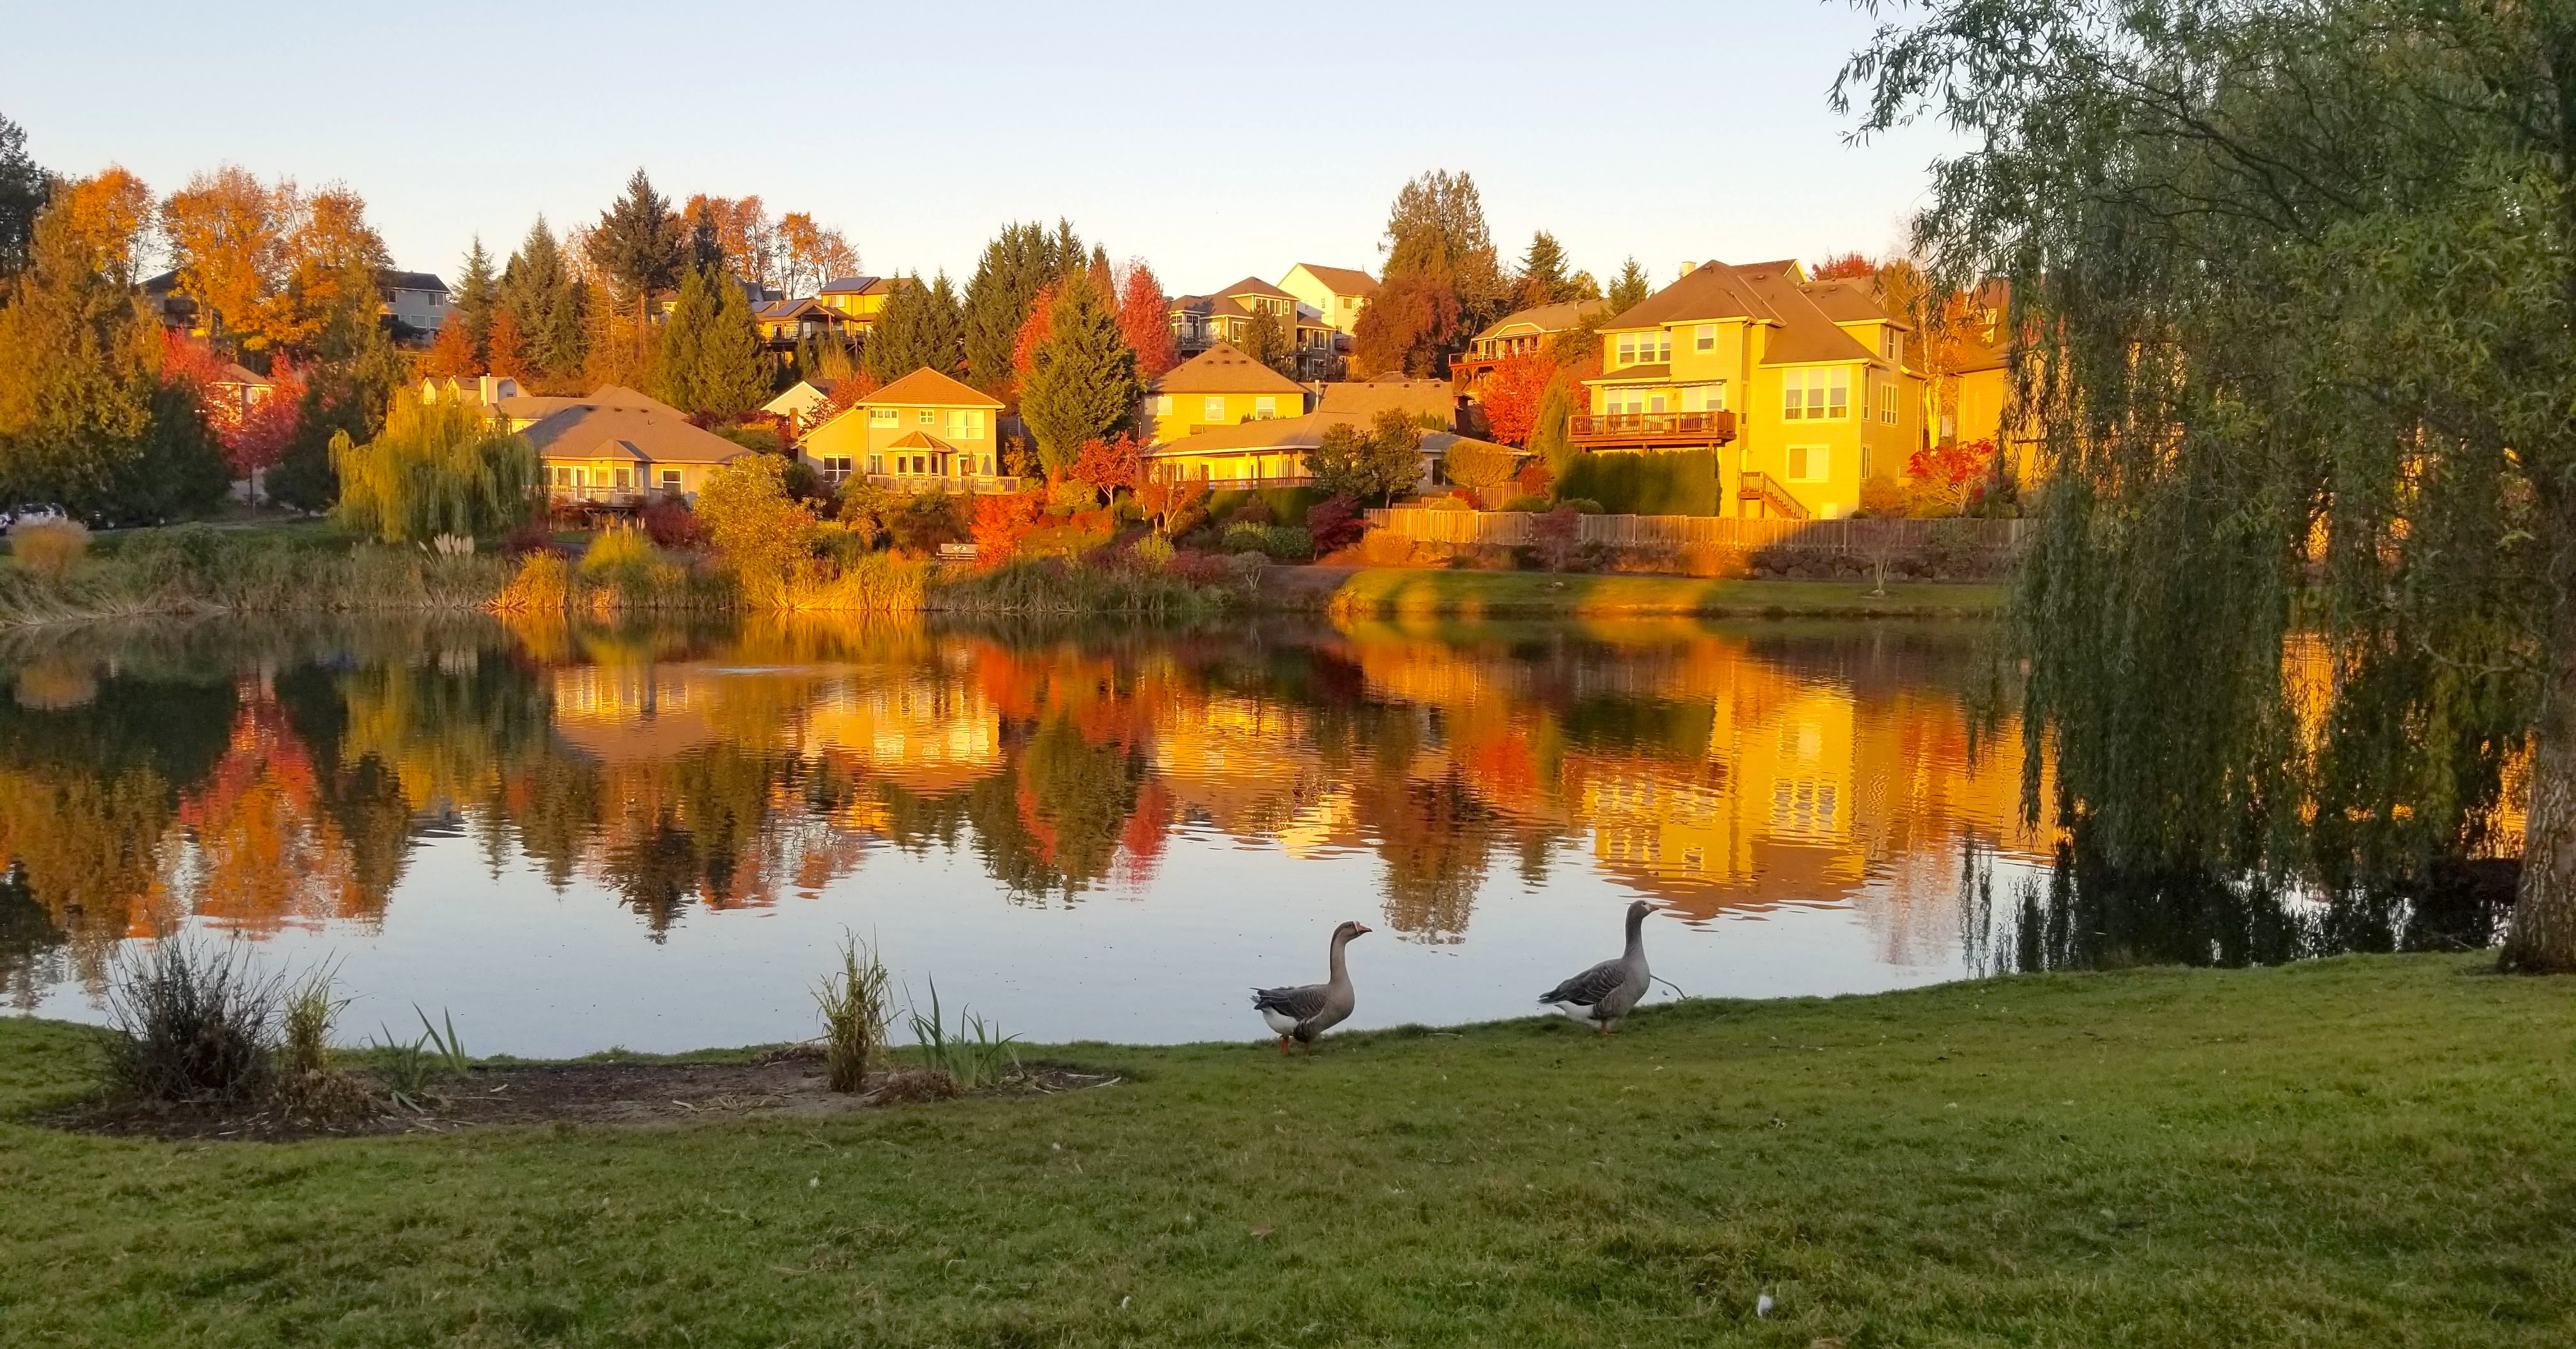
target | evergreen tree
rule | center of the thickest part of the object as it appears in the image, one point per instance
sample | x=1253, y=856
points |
x=1631, y=289
x=1436, y=227
x=711, y=357
x=23, y=189
x=678, y=365
x=1019, y=261
x=477, y=296
x=539, y=288
x=639, y=247
x=1268, y=342
x=1083, y=383
x=1543, y=278
x=918, y=327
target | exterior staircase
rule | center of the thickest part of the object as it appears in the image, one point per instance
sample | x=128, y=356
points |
x=1754, y=485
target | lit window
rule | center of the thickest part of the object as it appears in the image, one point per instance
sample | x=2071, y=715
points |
x=1705, y=339
x=1162, y=405
x=1216, y=407
x=1664, y=347
x=884, y=417
x=876, y=463
x=1627, y=348
x=1809, y=463
x=1815, y=395
x=1264, y=408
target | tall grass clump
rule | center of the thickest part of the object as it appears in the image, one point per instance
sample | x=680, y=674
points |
x=411, y=1069
x=543, y=584
x=309, y=1080
x=974, y=1053
x=194, y=1026
x=853, y=1003
x=873, y=583
x=50, y=548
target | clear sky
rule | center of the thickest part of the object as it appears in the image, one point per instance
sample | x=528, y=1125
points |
x=1213, y=139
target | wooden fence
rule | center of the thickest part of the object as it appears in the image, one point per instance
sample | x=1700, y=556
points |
x=1863, y=537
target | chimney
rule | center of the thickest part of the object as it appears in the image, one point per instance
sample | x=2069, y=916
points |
x=1688, y=268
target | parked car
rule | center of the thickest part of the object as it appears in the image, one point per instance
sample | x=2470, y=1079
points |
x=31, y=514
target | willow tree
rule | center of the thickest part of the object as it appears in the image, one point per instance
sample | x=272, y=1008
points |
x=437, y=468
x=2293, y=284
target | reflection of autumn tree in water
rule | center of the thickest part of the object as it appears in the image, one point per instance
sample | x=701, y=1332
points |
x=1052, y=823
x=1436, y=838
x=28, y=940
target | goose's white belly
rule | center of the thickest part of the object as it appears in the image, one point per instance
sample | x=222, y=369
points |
x=1577, y=1011
x=1280, y=1022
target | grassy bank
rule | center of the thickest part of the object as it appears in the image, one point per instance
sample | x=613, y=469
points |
x=2355, y=1151
x=1389, y=592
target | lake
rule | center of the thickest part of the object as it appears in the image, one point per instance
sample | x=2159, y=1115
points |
x=571, y=838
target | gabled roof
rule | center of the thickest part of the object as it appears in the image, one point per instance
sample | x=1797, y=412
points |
x=533, y=407
x=590, y=431
x=1342, y=280
x=234, y=373
x=773, y=311
x=1223, y=368
x=1545, y=318
x=389, y=279
x=849, y=285
x=1712, y=291
x=922, y=440
x=1806, y=332
x=1848, y=300
x=1253, y=285
x=926, y=387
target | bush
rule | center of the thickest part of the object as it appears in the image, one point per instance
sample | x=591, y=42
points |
x=1152, y=552
x=1285, y=543
x=616, y=554
x=1284, y=505
x=853, y=1004
x=1527, y=505
x=543, y=585
x=669, y=523
x=1580, y=505
x=1335, y=524
x=930, y=519
x=1653, y=482
x=196, y=1027
x=1448, y=503
x=50, y=548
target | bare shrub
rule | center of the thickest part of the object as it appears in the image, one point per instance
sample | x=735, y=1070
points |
x=196, y=1026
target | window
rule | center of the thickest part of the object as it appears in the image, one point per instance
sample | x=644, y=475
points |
x=836, y=469
x=1705, y=339
x=1664, y=346
x=670, y=480
x=1264, y=408
x=1885, y=392
x=965, y=424
x=884, y=417
x=876, y=463
x=1809, y=463
x=1704, y=398
x=621, y=478
x=1627, y=348
x=1815, y=395
x=1655, y=401
x=1162, y=405
x=927, y=417
x=1866, y=459
x=1216, y=407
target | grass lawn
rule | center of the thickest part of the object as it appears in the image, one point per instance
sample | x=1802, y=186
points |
x=2363, y=1151
x=1391, y=592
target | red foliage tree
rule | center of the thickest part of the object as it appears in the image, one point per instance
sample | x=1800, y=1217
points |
x=1001, y=522
x=1408, y=324
x=1335, y=523
x=509, y=347
x=260, y=432
x=1946, y=474
x=669, y=523
x=1843, y=266
x=1170, y=499
x=1107, y=465
x=1145, y=319
x=453, y=353
x=1033, y=332
x=1512, y=392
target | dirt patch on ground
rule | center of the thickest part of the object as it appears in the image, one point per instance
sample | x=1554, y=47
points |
x=617, y=1094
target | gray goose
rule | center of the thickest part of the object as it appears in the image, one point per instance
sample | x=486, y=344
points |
x=1605, y=993
x=1308, y=1010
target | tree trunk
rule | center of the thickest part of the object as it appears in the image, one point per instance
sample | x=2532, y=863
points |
x=2544, y=910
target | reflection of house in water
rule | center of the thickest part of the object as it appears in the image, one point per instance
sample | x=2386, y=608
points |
x=624, y=714
x=1248, y=766
x=929, y=736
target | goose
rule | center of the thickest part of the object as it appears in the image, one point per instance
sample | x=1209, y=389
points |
x=1308, y=1010
x=1604, y=994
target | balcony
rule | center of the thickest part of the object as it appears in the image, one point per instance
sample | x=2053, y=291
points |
x=1652, y=428
x=977, y=484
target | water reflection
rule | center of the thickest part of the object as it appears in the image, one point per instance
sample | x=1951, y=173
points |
x=485, y=815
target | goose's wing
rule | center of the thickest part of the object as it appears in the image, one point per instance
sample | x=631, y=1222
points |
x=1299, y=1002
x=1588, y=988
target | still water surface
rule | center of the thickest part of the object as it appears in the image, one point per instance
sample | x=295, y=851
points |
x=580, y=838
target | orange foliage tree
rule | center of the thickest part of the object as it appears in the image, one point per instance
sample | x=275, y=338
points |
x=1844, y=266
x=453, y=353
x=1105, y=465
x=1512, y=392
x=1145, y=320
x=1945, y=474
x=509, y=345
x=1169, y=498
x=227, y=236
x=1001, y=522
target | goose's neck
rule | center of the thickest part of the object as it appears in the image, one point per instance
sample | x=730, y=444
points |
x=1636, y=935
x=1339, y=975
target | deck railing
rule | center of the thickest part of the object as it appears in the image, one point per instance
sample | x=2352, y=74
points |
x=1862, y=537
x=1715, y=428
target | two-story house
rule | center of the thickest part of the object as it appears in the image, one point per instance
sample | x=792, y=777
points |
x=785, y=323
x=1228, y=315
x=859, y=299
x=1221, y=387
x=1801, y=387
x=1336, y=294
x=924, y=432
x=1525, y=330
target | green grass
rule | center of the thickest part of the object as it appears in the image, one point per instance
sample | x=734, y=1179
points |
x=2358, y=1151
x=1399, y=592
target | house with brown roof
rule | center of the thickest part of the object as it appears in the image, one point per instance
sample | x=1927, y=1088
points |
x=1338, y=295
x=1228, y=315
x=1801, y=388
x=1221, y=387
x=924, y=432
x=499, y=395
x=1522, y=331
x=1422, y=400
x=617, y=453
x=1273, y=453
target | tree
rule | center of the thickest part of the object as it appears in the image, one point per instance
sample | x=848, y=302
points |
x=477, y=298
x=23, y=189
x=110, y=215
x=85, y=419
x=745, y=242
x=1543, y=278
x=1630, y=289
x=452, y=353
x=1380, y=462
x=1145, y=320
x=1083, y=381
x=437, y=468
x=326, y=302
x=712, y=361
x=2291, y=291
x=1267, y=341
x=539, y=290
x=639, y=245
x=918, y=328
x=1107, y=464
x=811, y=254
x=1169, y=498
x=507, y=349
x=1512, y=394
x=1407, y=328
x=1018, y=262
x=1002, y=520
x=1437, y=227
x=1481, y=468
x=1548, y=436
x=755, y=524
x=253, y=430
x=227, y=237
x=1844, y=266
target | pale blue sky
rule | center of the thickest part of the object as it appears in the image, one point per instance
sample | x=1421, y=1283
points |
x=1213, y=139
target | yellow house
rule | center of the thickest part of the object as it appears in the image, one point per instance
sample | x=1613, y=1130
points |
x=924, y=432
x=861, y=298
x=619, y=455
x=1273, y=453
x=1228, y=315
x=1801, y=387
x=1336, y=294
x=1221, y=387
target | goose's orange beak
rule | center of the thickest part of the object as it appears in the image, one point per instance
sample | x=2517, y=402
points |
x=1364, y=929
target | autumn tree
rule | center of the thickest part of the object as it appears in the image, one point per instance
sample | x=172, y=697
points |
x=540, y=292
x=1082, y=383
x=1437, y=227
x=109, y=216
x=1108, y=464
x=1015, y=265
x=1168, y=498
x=1844, y=266
x=1145, y=320
x=810, y=254
x=453, y=353
x=227, y=237
x=920, y=327
x=437, y=468
x=506, y=353
x=1407, y=328
x=327, y=301
x=1512, y=392
x=1379, y=462
x=23, y=189
x=755, y=524
x=254, y=428
x=639, y=244
x=746, y=243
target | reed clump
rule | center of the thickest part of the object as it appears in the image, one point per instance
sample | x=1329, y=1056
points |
x=1059, y=586
x=196, y=1026
x=310, y=1084
x=852, y=1000
x=50, y=548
